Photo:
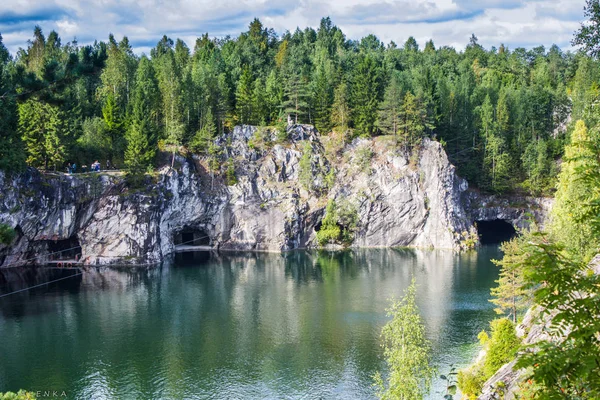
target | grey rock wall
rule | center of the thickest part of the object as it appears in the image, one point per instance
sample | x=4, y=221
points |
x=399, y=201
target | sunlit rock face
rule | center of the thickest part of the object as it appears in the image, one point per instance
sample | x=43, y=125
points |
x=275, y=204
x=519, y=211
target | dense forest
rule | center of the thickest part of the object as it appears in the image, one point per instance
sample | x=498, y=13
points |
x=503, y=115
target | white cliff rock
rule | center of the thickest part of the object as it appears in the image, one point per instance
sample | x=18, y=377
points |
x=398, y=201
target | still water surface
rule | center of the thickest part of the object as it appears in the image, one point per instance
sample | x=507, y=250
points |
x=235, y=326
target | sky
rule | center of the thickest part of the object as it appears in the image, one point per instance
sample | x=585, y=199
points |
x=515, y=23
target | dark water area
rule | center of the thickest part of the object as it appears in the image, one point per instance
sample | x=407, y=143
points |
x=232, y=326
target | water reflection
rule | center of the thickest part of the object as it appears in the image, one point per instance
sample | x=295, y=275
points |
x=207, y=325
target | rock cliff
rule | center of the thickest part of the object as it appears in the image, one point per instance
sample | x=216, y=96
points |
x=276, y=204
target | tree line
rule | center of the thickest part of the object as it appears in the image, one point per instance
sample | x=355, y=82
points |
x=502, y=114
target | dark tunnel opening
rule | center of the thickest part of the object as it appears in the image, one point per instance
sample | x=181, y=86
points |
x=191, y=237
x=495, y=231
x=64, y=249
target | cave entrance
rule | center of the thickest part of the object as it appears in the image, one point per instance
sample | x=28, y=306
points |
x=495, y=231
x=191, y=237
x=64, y=249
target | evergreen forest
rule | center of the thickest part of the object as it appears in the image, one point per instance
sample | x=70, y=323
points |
x=503, y=115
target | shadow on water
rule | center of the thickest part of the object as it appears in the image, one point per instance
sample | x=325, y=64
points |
x=253, y=325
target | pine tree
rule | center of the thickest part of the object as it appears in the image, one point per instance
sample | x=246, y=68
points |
x=138, y=154
x=259, y=106
x=222, y=103
x=55, y=137
x=204, y=138
x=323, y=98
x=569, y=224
x=42, y=128
x=12, y=155
x=413, y=120
x=340, y=111
x=389, y=112
x=244, y=98
x=114, y=126
x=118, y=75
x=510, y=296
x=273, y=97
x=141, y=134
x=365, y=96
x=295, y=103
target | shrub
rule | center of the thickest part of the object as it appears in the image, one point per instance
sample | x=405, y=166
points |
x=339, y=223
x=21, y=395
x=330, y=232
x=364, y=155
x=7, y=234
x=305, y=172
x=470, y=381
x=502, y=347
x=230, y=174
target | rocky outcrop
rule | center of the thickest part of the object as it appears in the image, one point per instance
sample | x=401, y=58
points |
x=519, y=211
x=402, y=202
x=277, y=203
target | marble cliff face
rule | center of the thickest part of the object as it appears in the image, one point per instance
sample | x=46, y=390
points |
x=398, y=200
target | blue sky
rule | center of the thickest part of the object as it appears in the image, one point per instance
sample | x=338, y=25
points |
x=526, y=23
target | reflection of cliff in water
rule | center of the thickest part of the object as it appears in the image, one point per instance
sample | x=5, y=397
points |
x=229, y=323
x=24, y=285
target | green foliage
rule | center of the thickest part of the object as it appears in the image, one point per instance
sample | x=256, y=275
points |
x=588, y=35
x=12, y=155
x=469, y=240
x=389, y=112
x=113, y=121
x=339, y=224
x=20, y=395
x=510, y=296
x=502, y=113
x=363, y=157
x=44, y=130
x=501, y=347
x=140, y=150
x=568, y=364
x=365, y=95
x=569, y=223
x=340, y=110
x=451, y=383
x=470, y=381
x=204, y=138
x=7, y=234
x=330, y=231
x=244, y=98
x=305, y=167
x=230, y=177
x=407, y=352
x=93, y=143
x=413, y=121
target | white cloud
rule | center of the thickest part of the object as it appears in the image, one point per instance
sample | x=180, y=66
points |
x=67, y=28
x=448, y=22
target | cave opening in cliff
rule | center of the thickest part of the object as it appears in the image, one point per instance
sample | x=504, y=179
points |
x=65, y=249
x=191, y=237
x=495, y=231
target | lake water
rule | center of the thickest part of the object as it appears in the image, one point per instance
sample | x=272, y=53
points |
x=301, y=325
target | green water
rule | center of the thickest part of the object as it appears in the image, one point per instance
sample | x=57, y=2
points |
x=253, y=326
